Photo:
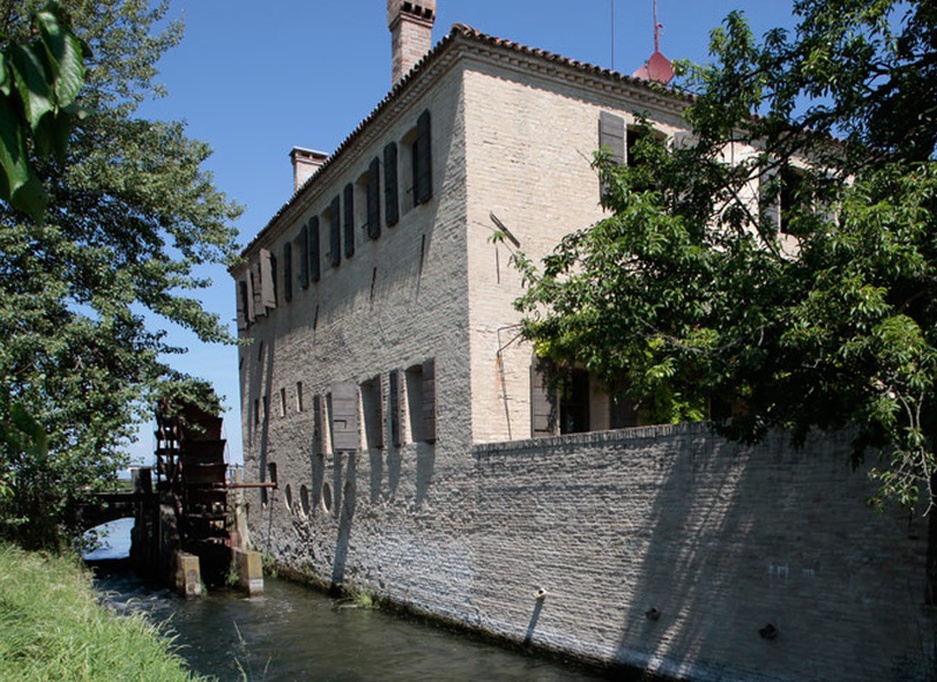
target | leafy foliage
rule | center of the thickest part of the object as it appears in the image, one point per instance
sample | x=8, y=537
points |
x=129, y=219
x=783, y=261
x=39, y=81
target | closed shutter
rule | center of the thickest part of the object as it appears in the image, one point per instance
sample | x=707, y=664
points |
x=344, y=417
x=612, y=136
x=304, y=256
x=315, y=260
x=349, y=220
x=268, y=291
x=241, y=294
x=542, y=401
x=393, y=406
x=374, y=199
x=288, y=271
x=429, y=400
x=318, y=442
x=335, y=232
x=391, y=201
x=256, y=294
x=422, y=161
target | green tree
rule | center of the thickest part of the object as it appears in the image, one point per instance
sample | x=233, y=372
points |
x=129, y=217
x=798, y=282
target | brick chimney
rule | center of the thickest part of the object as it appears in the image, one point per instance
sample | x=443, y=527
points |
x=305, y=163
x=411, y=29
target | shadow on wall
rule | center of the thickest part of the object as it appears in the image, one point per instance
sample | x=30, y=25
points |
x=425, y=465
x=760, y=557
x=346, y=515
x=262, y=405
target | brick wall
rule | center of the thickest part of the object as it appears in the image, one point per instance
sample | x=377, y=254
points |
x=722, y=540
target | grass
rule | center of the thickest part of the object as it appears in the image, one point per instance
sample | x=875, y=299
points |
x=53, y=628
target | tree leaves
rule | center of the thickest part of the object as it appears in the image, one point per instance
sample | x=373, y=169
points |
x=689, y=290
x=39, y=81
x=129, y=217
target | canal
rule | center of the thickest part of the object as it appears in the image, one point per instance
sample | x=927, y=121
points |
x=292, y=632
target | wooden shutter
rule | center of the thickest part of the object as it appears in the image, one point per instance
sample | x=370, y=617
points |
x=255, y=308
x=315, y=265
x=318, y=442
x=612, y=136
x=374, y=199
x=373, y=412
x=349, y=220
x=288, y=271
x=393, y=406
x=422, y=161
x=268, y=292
x=391, y=201
x=542, y=401
x=429, y=400
x=256, y=295
x=335, y=232
x=304, y=256
x=344, y=417
x=241, y=294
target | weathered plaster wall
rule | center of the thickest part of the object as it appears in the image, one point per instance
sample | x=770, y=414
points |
x=721, y=539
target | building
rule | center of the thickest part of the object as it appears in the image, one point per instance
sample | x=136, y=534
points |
x=386, y=391
x=392, y=234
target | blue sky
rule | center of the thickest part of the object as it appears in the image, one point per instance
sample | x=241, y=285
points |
x=256, y=79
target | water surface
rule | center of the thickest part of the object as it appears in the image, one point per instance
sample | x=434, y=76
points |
x=295, y=633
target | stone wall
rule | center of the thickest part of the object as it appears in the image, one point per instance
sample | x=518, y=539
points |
x=726, y=543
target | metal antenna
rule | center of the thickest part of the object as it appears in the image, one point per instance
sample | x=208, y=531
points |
x=656, y=30
x=613, y=34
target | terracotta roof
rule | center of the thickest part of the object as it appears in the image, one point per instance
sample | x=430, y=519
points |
x=462, y=31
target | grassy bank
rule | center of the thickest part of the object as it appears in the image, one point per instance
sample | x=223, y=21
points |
x=52, y=628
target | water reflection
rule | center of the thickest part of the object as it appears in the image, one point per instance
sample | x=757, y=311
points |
x=294, y=633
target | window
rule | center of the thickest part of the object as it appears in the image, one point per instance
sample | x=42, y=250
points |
x=421, y=400
x=344, y=421
x=391, y=202
x=542, y=400
x=244, y=308
x=334, y=218
x=422, y=161
x=574, y=402
x=373, y=194
x=288, y=271
x=393, y=406
x=256, y=411
x=303, y=246
x=792, y=195
x=299, y=396
x=563, y=408
x=622, y=411
x=349, y=221
x=283, y=402
x=315, y=268
x=373, y=415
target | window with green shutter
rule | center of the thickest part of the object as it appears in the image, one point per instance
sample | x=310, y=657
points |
x=422, y=161
x=288, y=271
x=349, y=221
x=391, y=200
x=374, y=199
x=335, y=232
x=315, y=267
x=304, y=256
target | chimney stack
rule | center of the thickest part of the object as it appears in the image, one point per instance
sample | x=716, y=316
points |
x=305, y=163
x=411, y=28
